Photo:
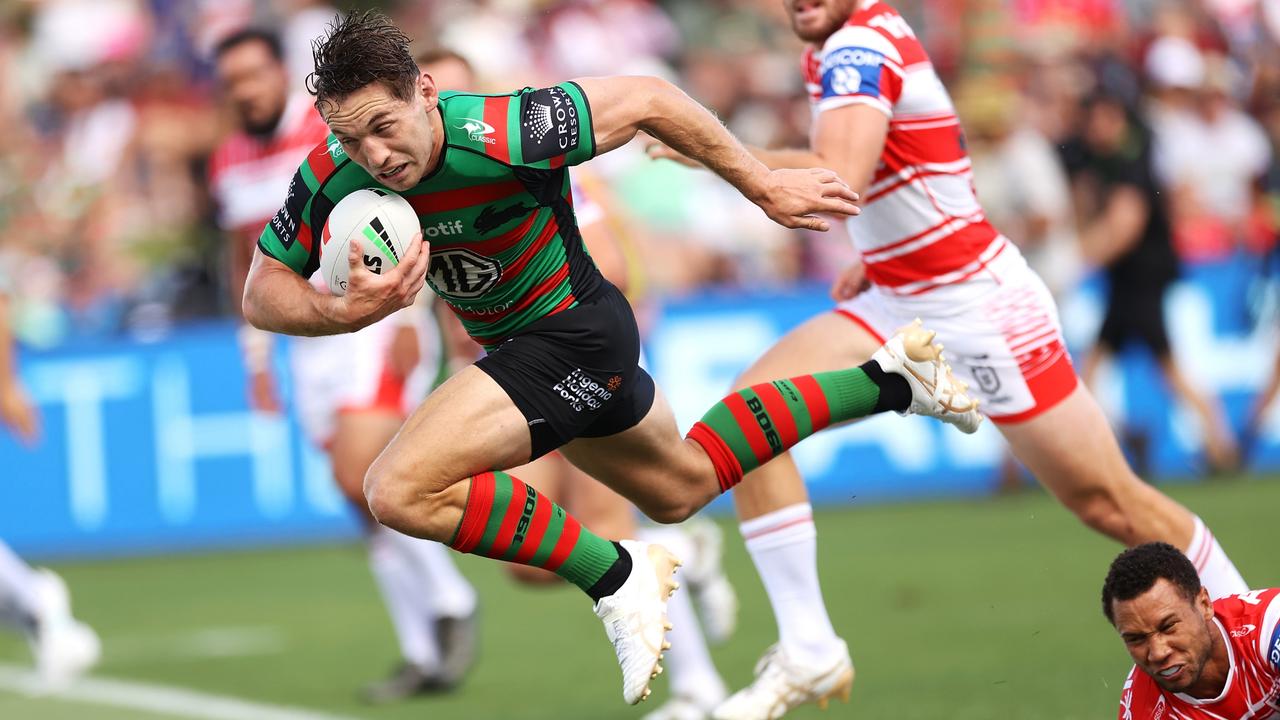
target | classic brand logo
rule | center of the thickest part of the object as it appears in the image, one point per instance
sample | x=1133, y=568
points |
x=477, y=130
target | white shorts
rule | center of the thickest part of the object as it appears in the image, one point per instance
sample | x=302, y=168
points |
x=350, y=373
x=1001, y=335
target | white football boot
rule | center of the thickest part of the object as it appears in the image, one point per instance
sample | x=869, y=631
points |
x=635, y=617
x=712, y=593
x=64, y=647
x=935, y=392
x=783, y=684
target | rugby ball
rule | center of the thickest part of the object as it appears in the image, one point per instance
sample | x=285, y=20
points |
x=382, y=222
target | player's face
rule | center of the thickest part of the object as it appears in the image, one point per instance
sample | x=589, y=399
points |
x=256, y=83
x=393, y=139
x=1168, y=636
x=816, y=20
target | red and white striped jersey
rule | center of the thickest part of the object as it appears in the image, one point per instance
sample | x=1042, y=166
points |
x=921, y=226
x=249, y=174
x=1248, y=624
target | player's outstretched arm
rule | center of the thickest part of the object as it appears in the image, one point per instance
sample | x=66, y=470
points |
x=278, y=299
x=848, y=140
x=622, y=106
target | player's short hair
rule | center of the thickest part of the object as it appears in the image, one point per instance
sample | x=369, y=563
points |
x=250, y=35
x=1137, y=569
x=360, y=49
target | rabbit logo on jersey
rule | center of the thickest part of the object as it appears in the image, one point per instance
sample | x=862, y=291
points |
x=851, y=71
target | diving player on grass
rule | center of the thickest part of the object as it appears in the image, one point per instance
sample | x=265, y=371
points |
x=486, y=174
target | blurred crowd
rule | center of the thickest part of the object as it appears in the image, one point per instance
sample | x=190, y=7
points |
x=111, y=113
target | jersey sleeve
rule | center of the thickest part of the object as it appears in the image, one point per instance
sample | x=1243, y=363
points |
x=859, y=65
x=545, y=128
x=1139, y=697
x=289, y=236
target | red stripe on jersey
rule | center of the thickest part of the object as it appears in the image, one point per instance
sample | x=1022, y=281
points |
x=564, y=546
x=446, y=200
x=564, y=304
x=751, y=429
x=496, y=112
x=507, y=530
x=819, y=412
x=497, y=243
x=475, y=515
x=320, y=161
x=906, y=147
x=305, y=236
x=948, y=254
x=537, y=529
x=783, y=421
x=517, y=266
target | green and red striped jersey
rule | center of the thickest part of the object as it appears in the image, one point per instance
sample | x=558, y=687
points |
x=498, y=211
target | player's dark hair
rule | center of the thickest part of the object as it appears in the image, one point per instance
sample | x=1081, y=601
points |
x=250, y=35
x=360, y=49
x=1137, y=569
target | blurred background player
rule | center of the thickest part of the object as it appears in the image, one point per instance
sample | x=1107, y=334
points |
x=696, y=685
x=1125, y=229
x=352, y=392
x=36, y=601
x=1194, y=658
x=884, y=122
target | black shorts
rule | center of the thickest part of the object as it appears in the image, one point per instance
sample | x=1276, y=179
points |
x=576, y=373
x=1136, y=316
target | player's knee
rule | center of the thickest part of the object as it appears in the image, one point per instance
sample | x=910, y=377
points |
x=390, y=495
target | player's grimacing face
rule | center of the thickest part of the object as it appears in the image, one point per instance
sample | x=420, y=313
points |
x=1167, y=635
x=256, y=83
x=392, y=139
x=816, y=20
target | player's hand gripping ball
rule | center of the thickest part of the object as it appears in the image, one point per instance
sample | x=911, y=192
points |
x=382, y=222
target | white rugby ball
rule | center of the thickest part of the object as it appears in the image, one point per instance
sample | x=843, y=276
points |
x=382, y=222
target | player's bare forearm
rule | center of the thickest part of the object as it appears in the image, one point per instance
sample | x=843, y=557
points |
x=622, y=106
x=279, y=300
x=794, y=198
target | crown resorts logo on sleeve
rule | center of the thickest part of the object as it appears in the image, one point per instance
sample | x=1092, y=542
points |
x=549, y=124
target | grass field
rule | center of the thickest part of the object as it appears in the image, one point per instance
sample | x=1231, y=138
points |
x=960, y=610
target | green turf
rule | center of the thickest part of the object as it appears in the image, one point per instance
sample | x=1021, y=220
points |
x=963, y=610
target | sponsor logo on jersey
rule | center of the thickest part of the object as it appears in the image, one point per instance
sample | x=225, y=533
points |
x=1126, y=701
x=490, y=219
x=614, y=383
x=582, y=392
x=851, y=71
x=1243, y=630
x=334, y=148
x=462, y=273
x=477, y=131
x=548, y=124
x=443, y=228
x=1161, y=706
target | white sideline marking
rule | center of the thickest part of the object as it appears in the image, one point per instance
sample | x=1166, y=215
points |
x=218, y=642
x=160, y=699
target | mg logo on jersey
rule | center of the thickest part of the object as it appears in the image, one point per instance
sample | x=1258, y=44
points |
x=477, y=130
x=462, y=273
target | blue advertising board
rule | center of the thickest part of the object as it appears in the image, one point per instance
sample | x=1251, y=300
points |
x=150, y=447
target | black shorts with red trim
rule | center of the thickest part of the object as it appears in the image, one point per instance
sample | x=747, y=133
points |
x=575, y=373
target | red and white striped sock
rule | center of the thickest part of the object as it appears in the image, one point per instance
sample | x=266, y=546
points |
x=784, y=546
x=1217, y=573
